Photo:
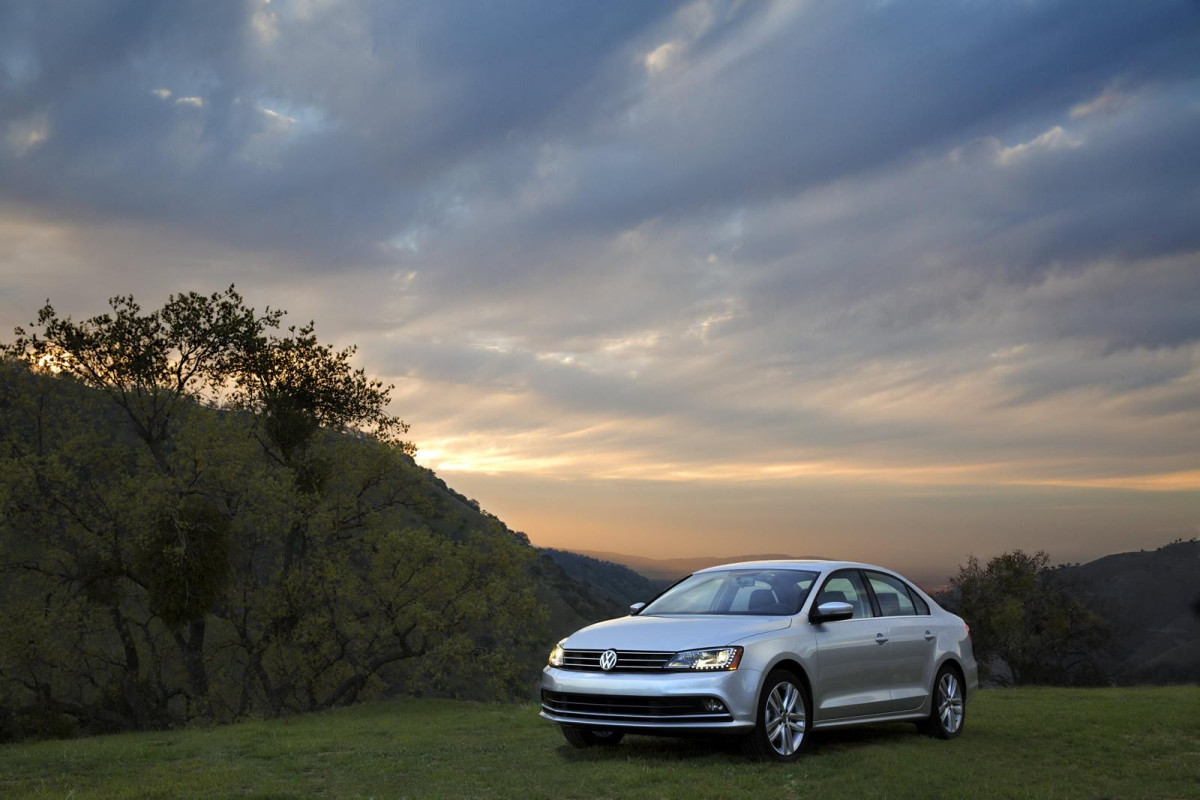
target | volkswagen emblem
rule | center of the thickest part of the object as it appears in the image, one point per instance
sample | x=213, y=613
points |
x=608, y=660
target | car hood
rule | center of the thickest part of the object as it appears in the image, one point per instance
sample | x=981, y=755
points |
x=674, y=633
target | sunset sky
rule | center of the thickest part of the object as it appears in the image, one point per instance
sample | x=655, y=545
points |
x=889, y=281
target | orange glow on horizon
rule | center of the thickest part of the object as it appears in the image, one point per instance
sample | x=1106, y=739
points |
x=449, y=456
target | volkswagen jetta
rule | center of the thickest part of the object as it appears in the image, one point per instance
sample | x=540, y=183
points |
x=769, y=651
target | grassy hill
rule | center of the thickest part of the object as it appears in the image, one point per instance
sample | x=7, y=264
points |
x=1019, y=743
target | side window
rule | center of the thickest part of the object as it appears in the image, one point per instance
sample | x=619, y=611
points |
x=846, y=586
x=892, y=595
x=922, y=606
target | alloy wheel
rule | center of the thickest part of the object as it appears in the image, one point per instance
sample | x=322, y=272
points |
x=786, y=721
x=950, y=702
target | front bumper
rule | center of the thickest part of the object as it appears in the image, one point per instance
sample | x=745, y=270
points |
x=649, y=702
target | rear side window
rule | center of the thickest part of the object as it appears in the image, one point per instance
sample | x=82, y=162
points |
x=922, y=606
x=846, y=586
x=892, y=595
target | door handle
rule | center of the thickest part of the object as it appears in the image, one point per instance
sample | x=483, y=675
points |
x=880, y=639
x=929, y=637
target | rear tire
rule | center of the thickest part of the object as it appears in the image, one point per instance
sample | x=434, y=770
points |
x=948, y=707
x=589, y=737
x=784, y=711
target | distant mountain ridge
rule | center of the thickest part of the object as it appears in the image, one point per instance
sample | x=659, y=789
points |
x=669, y=570
x=625, y=579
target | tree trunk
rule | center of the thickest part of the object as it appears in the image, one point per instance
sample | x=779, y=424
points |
x=192, y=648
x=130, y=681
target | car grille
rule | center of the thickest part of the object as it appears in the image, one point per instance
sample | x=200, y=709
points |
x=621, y=708
x=627, y=660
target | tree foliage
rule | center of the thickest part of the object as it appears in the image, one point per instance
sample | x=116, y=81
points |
x=149, y=363
x=1020, y=613
x=296, y=386
x=203, y=518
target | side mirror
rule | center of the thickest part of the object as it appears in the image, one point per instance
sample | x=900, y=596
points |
x=635, y=608
x=831, y=612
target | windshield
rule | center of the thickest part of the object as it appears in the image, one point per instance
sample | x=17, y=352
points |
x=760, y=592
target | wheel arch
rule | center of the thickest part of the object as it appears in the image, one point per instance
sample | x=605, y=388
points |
x=791, y=665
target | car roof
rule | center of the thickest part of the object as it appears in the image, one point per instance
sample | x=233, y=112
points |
x=818, y=564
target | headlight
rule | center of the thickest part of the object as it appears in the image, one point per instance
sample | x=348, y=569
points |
x=717, y=658
x=556, y=655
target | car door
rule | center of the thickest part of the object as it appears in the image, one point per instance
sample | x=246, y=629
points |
x=852, y=654
x=911, y=640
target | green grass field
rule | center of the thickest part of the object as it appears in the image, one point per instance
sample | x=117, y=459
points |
x=1018, y=743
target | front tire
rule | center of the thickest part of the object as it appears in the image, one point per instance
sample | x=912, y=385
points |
x=588, y=737
x=948, y=707
x=784, y=711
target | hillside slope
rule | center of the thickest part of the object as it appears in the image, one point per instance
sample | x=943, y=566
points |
x=571, y=601
x=1150, y=598
x=207, y=576
x=609, y=580
x=430, y=503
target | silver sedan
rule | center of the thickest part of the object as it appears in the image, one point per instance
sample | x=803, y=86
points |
x=769, y=651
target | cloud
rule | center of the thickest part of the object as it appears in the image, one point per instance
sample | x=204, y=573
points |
x=265, y=24
x=1054, y=139
x=1108, y=101
x=404, y=118
x=661, y=57
x=24, y=135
